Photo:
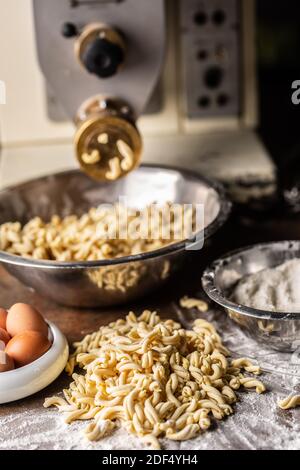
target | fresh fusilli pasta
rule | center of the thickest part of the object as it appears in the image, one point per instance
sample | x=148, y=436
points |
x=154, y=378
x=290, y=402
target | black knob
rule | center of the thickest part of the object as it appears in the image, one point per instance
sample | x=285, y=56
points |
x=102, y=57
x=69, y=30
x=213, y=77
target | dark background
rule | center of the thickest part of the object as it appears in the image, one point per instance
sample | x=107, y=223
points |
x=278, y=61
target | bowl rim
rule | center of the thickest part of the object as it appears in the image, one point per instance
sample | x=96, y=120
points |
x=210, y=288
x=209, y=230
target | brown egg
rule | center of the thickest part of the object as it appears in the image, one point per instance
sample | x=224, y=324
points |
x=4, y=336
x=3, y=315
x=6, y=362
x=23, y=317
x=26, y=347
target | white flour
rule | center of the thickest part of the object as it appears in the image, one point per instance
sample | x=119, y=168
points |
x=274, y=289
x=45, y=429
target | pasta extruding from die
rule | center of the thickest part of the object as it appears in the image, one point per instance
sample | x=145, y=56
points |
x=289, y=402
x=127, y=154
x=152, y=377
x=114, y=171
x=91, y=158
x=103, y=138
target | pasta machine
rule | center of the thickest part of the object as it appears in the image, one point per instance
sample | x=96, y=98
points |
x=179, y=73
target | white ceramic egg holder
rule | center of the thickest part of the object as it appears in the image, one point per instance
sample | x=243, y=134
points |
x=27, y=380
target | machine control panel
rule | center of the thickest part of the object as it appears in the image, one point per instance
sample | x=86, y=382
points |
x=210, y=57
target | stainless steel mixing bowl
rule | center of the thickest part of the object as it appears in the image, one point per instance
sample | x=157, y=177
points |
x=279, y=330
x=115, y=281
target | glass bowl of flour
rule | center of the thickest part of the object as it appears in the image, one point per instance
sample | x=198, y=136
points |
x=259, y=287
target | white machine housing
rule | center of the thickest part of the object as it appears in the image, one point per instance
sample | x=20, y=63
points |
x=203, y=110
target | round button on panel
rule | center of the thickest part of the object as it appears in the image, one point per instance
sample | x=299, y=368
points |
x=222, y=99
x=213, y=77
x=219, y=17
x=202, y=54
x=200, y=18
x=204, y=101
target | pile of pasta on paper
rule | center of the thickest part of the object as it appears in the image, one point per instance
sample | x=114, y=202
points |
x=154, y=378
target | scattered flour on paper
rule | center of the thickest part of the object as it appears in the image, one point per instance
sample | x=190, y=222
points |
x=257, y=424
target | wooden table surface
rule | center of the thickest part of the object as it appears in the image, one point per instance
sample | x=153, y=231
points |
x=75, y=323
